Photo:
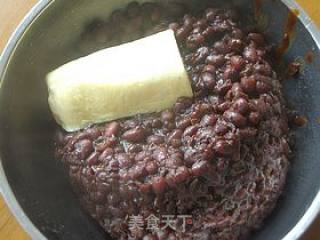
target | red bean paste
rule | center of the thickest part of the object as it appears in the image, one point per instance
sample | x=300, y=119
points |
x=220, y=157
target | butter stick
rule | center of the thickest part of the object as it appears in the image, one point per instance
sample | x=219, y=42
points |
x=143, y=76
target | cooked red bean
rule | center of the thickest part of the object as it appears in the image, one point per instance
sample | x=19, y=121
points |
x=181, y=33
x=223, y=148
x=209, y=120
x=248, y=84
x=254, y=118
x=221, y=47
x=250, y=54
x=107, y=153
x=221, y=129
x=222, y=88
x=135, y=135
x=237, y=33
x=93, y=133
x=152, y=167
x=248, y=133
x=241, y=105
x=124, y=160
x=83, y=148
x=184, y=123
x=167, y=116
x=134, y=148
x=174, y=26
x=236, y=45
x=216, y=60
x=190, y=131
x=208, y=32
x=182, y=104
x=211, y=14
x=208, y=80
x=112, y=129
x=156, y=123
x=145, y=188
x=159, y=185
x=236, y=118
x=156, y=139
x=264, y=69
x=209, y=68
x=195, y=40
x=257, y=38
x=176, y=134
x=221, y=108
x=263, y=87
x=237, y=90
x=138, y=171
x=182, y=174
x=110, y=142
x=101, y=144
x=93, y=159
x=231, y=73
x=200, y=55
x=199, y=168
x=237, y=62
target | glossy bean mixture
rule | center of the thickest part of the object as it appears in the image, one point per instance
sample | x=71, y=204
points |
x=221, y=157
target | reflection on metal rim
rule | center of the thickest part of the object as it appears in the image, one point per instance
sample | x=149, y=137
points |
x=5, y=189
x=7, y=193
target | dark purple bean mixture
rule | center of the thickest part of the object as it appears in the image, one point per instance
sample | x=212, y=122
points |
x=221, y=157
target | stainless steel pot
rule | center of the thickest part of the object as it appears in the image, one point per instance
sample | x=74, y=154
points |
x=35, y=185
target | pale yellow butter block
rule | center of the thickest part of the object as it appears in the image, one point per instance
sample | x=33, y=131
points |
x=143, y=76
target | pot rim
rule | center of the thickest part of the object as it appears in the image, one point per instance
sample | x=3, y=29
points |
x=295, y=233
